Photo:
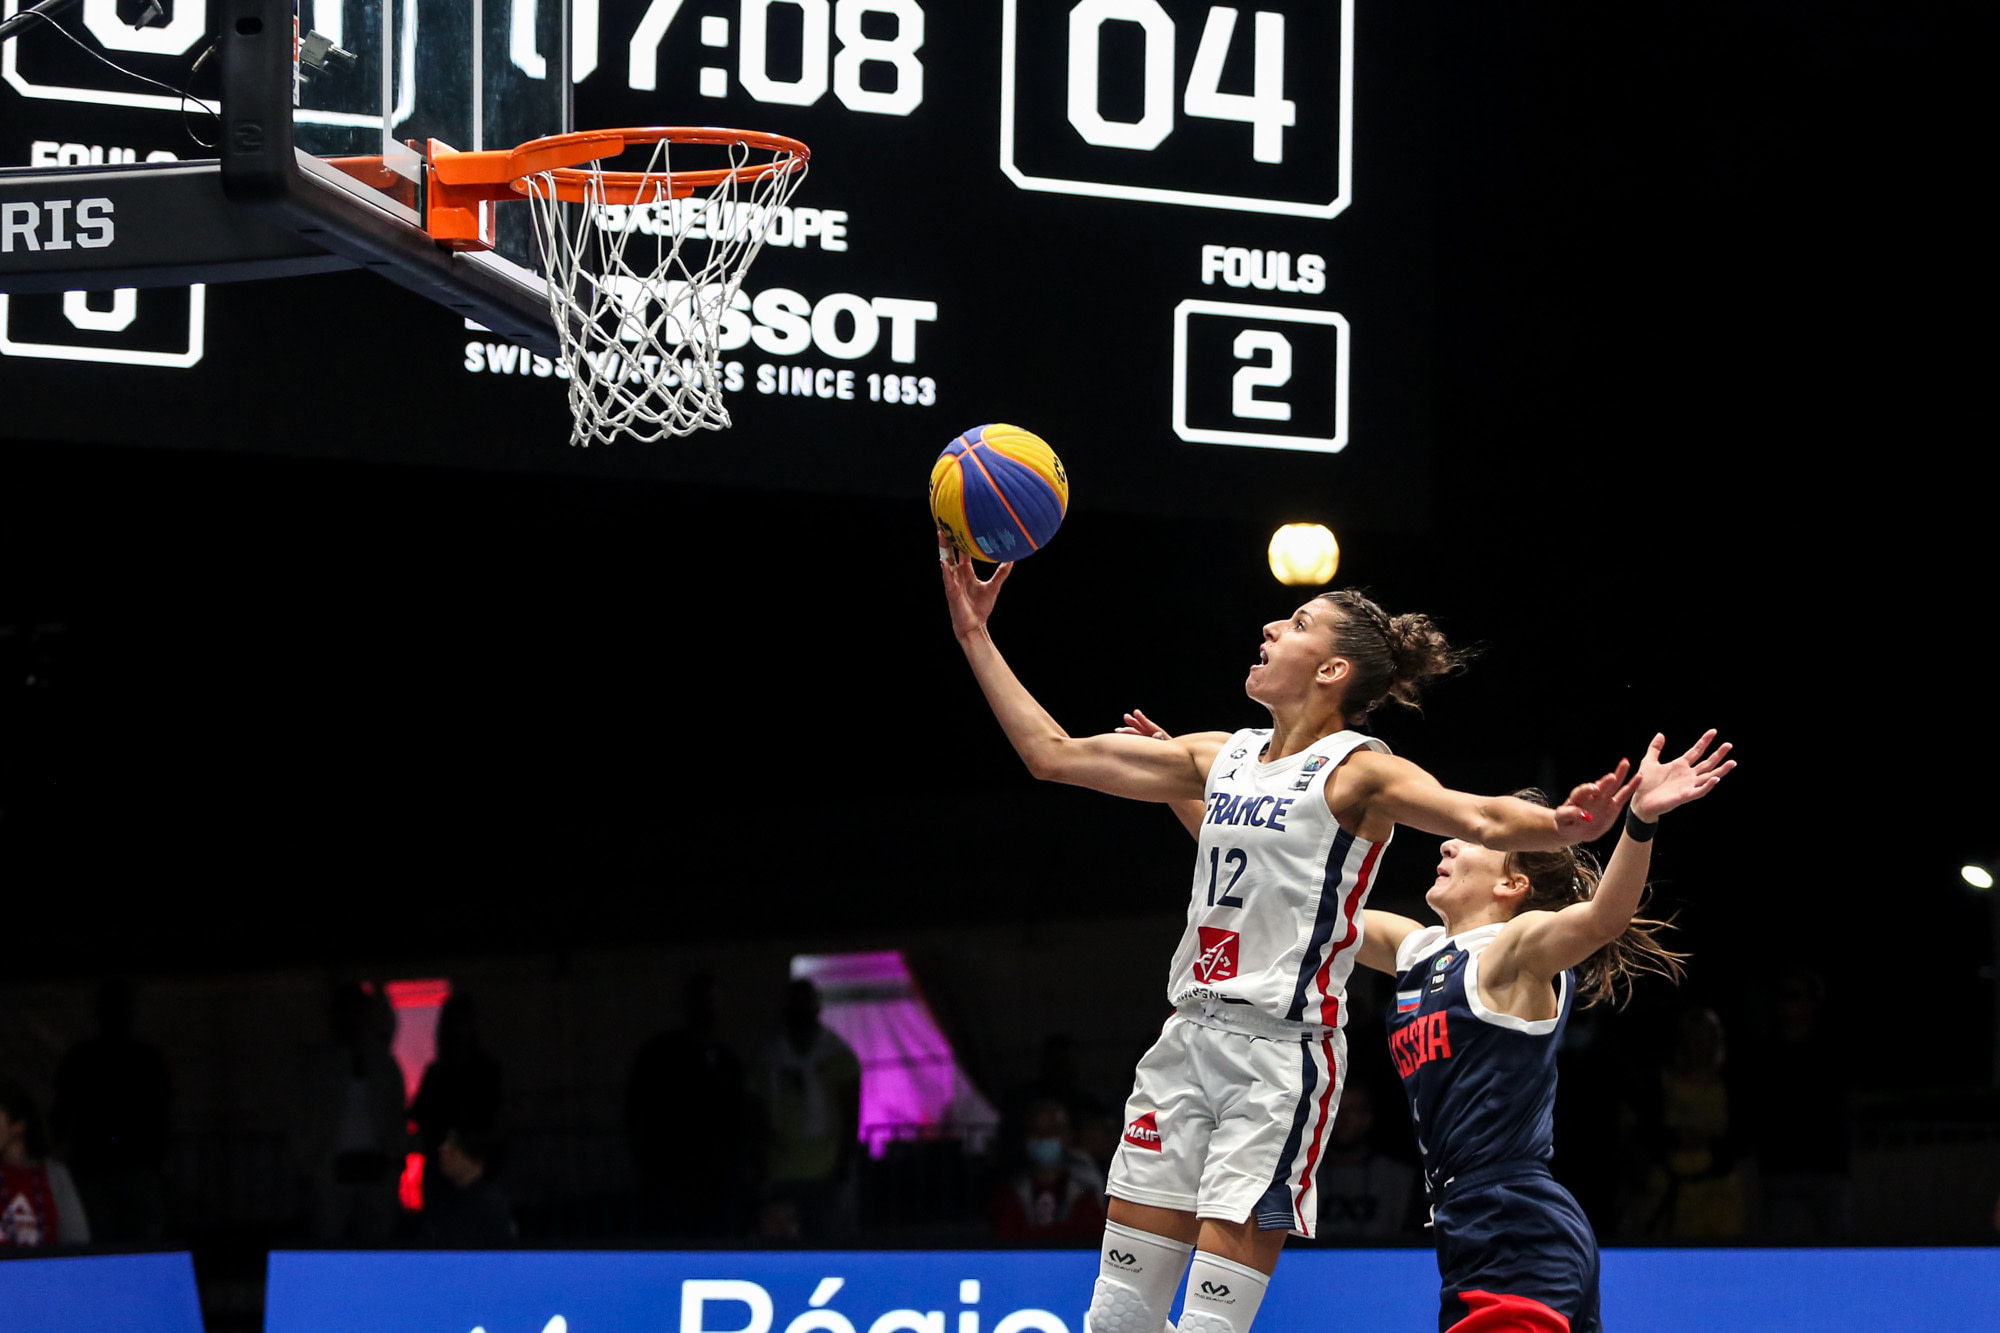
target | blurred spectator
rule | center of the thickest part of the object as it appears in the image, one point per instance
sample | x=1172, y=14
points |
x=811, y=1089
x=1098, y=1132
x=1057, y=1194
x=684, y=1120
x=459, y=1090
x=1693, y=1191
x=1055, y=1080
x=352, y=1127
x=1362, y=1193
x=39, y=1204
x=465, y=1206
x=1801, y=1097
x=110, y=1116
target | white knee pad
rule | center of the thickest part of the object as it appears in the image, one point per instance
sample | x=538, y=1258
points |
x=1223, y=1296
x=1137, y=1276
x=1197, y=1321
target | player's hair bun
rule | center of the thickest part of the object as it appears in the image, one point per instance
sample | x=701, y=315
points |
x=1421, y=654
x=1392, y=658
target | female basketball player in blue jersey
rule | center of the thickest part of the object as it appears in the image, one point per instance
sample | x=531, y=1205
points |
x=1229, y=1109
x=1481, y=1003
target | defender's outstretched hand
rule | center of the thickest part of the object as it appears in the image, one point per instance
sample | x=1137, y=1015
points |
x=1588, y=812
x=1666, y=785
x=970, y=597
x=1138, y=724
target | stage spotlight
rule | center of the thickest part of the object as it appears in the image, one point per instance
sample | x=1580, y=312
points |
x=1304, y=554
x=1979, y=877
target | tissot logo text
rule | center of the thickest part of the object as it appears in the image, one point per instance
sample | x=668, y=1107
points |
x=55, y=224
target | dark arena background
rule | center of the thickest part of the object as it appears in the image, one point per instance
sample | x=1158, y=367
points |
x=1639, y=346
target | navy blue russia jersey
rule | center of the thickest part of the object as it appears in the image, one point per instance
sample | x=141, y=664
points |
x=1482, y=1085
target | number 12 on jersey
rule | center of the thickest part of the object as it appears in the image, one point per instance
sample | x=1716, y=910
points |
x=1232, y=864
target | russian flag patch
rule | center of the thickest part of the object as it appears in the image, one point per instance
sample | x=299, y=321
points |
x=1407, y=1001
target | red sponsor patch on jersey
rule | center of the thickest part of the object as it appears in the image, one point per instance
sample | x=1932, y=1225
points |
x=1145, y=1132
x=1217, y=961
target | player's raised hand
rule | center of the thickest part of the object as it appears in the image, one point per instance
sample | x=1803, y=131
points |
x=1138, y=724
x=969, y=596
x=1666, y=784
x=1589, y=811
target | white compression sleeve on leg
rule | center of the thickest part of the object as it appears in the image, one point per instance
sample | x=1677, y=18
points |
x=1137, y=1276
x=1223, y=1296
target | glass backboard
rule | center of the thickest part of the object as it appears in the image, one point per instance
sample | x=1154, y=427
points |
x=395, y=74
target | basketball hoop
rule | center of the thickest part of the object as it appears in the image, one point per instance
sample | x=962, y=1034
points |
x=640, y=322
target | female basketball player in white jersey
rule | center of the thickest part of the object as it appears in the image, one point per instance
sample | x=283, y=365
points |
x=1481, y=1003
x=1229, y=1109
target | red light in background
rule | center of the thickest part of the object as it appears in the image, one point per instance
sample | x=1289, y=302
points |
x=416, y=1004
x=410, y=1189
x=430, y=993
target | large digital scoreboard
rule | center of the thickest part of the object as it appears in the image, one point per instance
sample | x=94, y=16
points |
x=1186, y=242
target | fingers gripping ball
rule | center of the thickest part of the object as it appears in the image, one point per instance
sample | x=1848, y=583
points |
x=999, y=493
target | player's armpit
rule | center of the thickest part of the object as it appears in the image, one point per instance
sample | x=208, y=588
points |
x=1382, y=936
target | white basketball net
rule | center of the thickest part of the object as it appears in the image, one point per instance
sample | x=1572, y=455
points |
x=638, y=291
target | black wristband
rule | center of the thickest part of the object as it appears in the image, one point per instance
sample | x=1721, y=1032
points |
x=1637, y=829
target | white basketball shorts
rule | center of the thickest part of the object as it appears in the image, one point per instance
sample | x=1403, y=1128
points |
x=1227, y=1125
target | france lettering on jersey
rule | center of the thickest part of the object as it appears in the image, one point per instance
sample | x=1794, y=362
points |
x=1274, y=922
x=1481, y=1084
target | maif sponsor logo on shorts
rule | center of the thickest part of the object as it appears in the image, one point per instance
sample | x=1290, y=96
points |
x=1217, y=960
x=1145, y=1132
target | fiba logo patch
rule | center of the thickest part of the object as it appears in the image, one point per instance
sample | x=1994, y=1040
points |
x=1217, y=960
x=1438, y=973
x=1145, y=1132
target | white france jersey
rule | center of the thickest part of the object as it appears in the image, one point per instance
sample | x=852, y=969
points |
x=1275, y=919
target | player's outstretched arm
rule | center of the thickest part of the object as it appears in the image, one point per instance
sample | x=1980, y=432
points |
x=1541, y=944
x=1397, y=789
x=1189, y=812
x=1382, y=936
x=1134, y=766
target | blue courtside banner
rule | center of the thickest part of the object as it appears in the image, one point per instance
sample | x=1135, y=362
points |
x=1800, y=1291
x=1645, y=1291
x=1040, y=1291
x=100, y=1293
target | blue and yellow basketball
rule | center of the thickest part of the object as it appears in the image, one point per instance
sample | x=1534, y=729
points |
x=999, y=492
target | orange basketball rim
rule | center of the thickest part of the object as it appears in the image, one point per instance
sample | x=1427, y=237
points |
x=460, y=183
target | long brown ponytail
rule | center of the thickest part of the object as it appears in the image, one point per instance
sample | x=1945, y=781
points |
x=1567, y=875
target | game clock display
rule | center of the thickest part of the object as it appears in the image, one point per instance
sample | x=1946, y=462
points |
x=1189, y=241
